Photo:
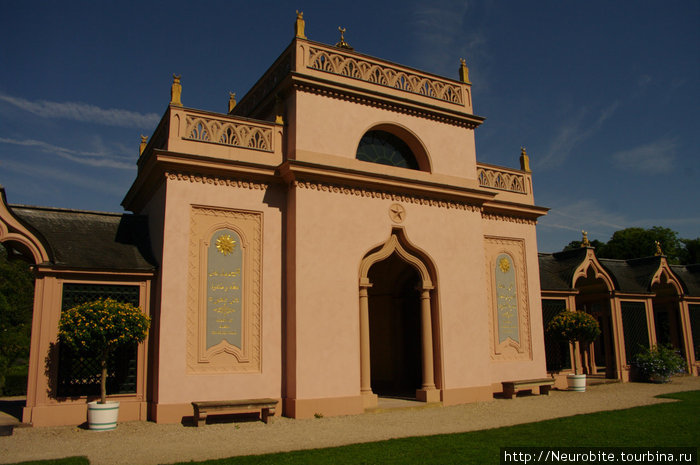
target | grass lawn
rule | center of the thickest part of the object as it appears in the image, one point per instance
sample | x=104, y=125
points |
x=662, y=425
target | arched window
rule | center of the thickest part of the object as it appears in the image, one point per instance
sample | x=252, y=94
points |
x=387, y=149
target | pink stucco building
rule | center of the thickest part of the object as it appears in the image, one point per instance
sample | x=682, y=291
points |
x=331, y=240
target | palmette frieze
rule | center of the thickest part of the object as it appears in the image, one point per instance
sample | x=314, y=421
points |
x=347, y=190
x=508, y=218
x=383, y=75
x=378, y=194
x=226, y=132
x=215, y=180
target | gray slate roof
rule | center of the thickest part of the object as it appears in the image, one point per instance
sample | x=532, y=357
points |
x=90, y=240
x=629, y=276
x=557, y=269
x=690, y=277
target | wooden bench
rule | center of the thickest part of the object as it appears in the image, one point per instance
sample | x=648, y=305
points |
x=511, y=387
x=266, y=407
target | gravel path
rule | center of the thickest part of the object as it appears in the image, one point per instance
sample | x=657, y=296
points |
x=147, y=443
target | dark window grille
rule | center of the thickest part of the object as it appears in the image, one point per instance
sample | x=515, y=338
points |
x=694, y=311
x=556, y=352
x=662, y=323
x=634, y=324
x=80, y=377
x=387, y=149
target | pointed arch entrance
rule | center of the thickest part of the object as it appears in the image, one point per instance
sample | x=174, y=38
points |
x=594, y=288
x=396, y=322
x=668, y=321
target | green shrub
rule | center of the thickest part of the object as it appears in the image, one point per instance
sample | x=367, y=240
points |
x=658, y=363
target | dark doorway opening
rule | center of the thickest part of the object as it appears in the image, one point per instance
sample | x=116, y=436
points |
x=603, y=353
x=395, y=328
x=666, y=322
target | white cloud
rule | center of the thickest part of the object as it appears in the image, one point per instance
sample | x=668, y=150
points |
x=566, y=220
x=84, y=112
x=584, y=215
x=68, y=177
x=99, y=158
x=571, y=133
x=652, y=158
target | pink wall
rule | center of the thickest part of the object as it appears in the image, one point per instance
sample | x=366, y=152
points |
x=176, y=385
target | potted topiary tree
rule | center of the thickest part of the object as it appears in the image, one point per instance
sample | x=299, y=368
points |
x=94, y=330
x=574, y=327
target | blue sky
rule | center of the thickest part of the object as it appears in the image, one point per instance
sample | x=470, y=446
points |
x=604, y=95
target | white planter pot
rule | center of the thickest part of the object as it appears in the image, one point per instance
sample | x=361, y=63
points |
x=576, y=382
x=103, y=417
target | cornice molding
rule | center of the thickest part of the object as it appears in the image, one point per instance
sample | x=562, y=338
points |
x=509, y=218
x=215, y=180
x=363, y=97
x=384, y=194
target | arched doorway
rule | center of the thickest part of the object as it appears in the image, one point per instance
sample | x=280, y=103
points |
x=16, y=309
x=394, y=328
x=595, y=286
x=403, y=306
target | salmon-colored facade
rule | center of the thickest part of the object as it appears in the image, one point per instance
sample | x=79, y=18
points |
x=330, y=240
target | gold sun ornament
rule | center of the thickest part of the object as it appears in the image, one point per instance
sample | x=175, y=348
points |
x=504, y=265
x=225, y=244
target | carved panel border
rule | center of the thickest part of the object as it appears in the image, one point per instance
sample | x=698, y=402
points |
x=508, y=349
x=224, y=357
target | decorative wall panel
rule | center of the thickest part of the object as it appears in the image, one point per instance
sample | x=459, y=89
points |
x=224, y=291
x=506, y=275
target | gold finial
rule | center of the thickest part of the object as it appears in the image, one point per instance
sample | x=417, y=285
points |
x=176, y=91
x=231, y=102
x=299, y=25
x=524, y=160
x=464, y=71
x=342, y=43
x=585, y=242
x=279, y=110
x=144, y=142
x=659, y=252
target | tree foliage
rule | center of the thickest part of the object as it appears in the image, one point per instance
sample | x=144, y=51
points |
x=595, y=243
x=96, y=329
x=691, y=251
x=638, y=242
x=574, y=327
x=630, y=243
x=16, y=303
